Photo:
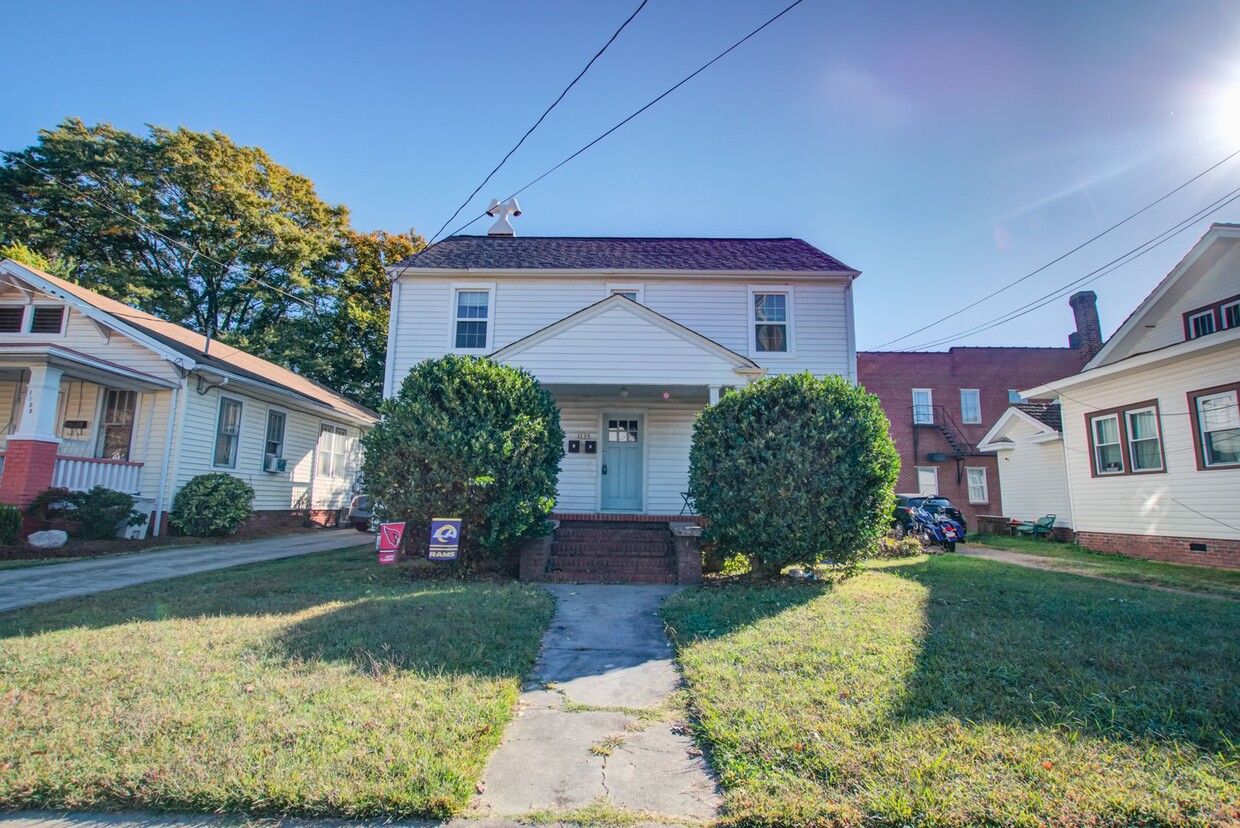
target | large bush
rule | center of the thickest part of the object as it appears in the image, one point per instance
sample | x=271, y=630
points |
x=10, y=523
x=212, y=504
x=794, y=470
x=470, y=438
x=96, y=515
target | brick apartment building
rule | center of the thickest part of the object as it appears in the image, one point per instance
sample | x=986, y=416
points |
x=941, y=404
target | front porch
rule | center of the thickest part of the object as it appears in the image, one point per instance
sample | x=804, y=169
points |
x=74, y=421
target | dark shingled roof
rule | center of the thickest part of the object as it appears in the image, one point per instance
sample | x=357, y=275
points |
x=1046, y=413
x=574, y=253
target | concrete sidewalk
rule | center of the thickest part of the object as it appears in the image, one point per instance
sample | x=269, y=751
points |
x=579, y=736
x=39, y=584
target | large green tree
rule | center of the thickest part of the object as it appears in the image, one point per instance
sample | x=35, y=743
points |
x=199, y=230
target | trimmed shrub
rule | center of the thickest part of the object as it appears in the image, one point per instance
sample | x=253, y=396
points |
x=794, y=470
x=889, y=547
x=470, y=438
x=212, y=505
x=95, y=515
x=10, y=523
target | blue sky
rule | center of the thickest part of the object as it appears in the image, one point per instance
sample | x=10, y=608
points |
x=941, y=148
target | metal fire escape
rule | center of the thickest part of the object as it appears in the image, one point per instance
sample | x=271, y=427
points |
x=936, y=417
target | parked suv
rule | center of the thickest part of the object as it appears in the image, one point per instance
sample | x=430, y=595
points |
x=905, y=503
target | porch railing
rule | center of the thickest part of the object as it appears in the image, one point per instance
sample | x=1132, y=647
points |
x=80, y=474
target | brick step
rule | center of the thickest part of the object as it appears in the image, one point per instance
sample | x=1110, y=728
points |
x=617, y=550
x=609, y=525
x=607, y=578
x=616, y=570
x=614, y=560
x=617, y=534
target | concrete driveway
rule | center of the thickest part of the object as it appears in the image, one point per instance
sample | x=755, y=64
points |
x=40, y=584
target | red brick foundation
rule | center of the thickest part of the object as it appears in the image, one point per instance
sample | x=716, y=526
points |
x=1165, y=548
x=28, y=469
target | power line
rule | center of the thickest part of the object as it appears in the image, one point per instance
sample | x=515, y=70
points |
x=638, y=112
x=227, y=267
x=541, y=118
x=1092, y=276
x=1058, y=259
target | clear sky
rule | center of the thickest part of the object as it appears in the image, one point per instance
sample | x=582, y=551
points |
x=941, y=148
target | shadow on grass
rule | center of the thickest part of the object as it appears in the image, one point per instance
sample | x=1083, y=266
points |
x=750, y=601
x=1050, y=650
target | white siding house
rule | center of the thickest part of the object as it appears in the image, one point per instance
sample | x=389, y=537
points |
x=1151, y=427
x=1029, y=446
x=633, y=337
x=93, y=392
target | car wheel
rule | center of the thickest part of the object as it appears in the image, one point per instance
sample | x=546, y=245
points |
x=361, y=525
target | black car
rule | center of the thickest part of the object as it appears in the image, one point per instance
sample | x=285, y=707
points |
x=902, y=518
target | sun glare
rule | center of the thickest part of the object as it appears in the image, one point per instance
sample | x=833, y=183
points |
x=1227, y=111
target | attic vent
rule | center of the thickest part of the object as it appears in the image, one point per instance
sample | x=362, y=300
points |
x=47, y=320
x=501, y=213
x=11, y=319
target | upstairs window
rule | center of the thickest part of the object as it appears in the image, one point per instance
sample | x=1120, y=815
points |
x=923, y=406
x=1126, y=440
x=1014, y=396
x=970, y=405
x=628, y=291
x=473, y=320
x=1220, y=316
x=47, y=320
x=771, y=318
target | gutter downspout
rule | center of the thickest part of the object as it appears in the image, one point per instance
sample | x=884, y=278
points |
x=176, y=417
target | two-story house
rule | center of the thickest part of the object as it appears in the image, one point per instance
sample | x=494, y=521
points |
x=1151, y=427
x=632, y=336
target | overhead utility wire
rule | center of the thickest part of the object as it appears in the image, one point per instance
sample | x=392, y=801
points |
x=654, y=101
x=541, y=118
x=227, y=267
x=1093, y=275
x=1058, y=259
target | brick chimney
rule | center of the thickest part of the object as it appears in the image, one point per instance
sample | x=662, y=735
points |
x=1088, y=336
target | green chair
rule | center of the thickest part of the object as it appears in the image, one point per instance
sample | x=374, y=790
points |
x=1041, y=526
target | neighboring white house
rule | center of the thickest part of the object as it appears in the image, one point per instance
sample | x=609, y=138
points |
x=632, y=336
x=1151, y=427
x=1028, y=440
x=94, y=392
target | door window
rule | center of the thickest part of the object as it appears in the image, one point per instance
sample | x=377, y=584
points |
x=622, y=431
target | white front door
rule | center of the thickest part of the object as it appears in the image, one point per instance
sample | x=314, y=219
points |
x=623, y=435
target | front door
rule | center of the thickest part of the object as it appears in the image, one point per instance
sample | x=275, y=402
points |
x=622, y=462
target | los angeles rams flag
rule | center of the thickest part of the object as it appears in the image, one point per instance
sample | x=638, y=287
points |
x=445, y=539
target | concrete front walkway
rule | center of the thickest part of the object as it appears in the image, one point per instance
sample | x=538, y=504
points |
x=596, y=721
x=39, y=584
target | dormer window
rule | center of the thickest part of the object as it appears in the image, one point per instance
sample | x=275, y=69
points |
x=1220, y=316
x=771, y=320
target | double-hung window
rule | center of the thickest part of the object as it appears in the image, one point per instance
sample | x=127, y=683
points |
x=1126, y=440
x=927, y=480
x=273, y=447
x=116, y=429
x=923, y=406
x=227, y=433
x=970, y=405
x=772, y=316
x=1215, y=415
x=979, y=492
x=1231, y=315
x=1201, y=324
x=472, y=319
x=333, y=451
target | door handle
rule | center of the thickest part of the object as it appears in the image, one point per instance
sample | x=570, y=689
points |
x=604, y=468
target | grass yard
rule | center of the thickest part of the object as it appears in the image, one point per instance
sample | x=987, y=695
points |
x=956, y=691
x=1213, y=580
x=320, y=685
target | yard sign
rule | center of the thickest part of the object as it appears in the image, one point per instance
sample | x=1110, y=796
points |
x=445, y=539
x=388, y=541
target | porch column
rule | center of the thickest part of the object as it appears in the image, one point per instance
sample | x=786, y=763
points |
x=714, y=393
x=30, y=452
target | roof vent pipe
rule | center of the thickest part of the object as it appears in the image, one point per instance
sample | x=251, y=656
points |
x=501, y=213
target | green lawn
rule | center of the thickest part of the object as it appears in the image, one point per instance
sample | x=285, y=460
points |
x=1214, y=580
x=956, y=691
x=321, y=685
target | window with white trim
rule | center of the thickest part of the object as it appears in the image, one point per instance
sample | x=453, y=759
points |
x=1231, y=315
x=1218, y=428
x=333, y=451
x=927, y=480
x=923, y=406
x=770, y=321
x=116, y=427
x=1108, y=451
x=1144, y=441
x=277, y=421
x=1201, y=324
x=979, y=492
x=472, y=319
x=970, y=405
x=628, y=291
x=227, y=434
